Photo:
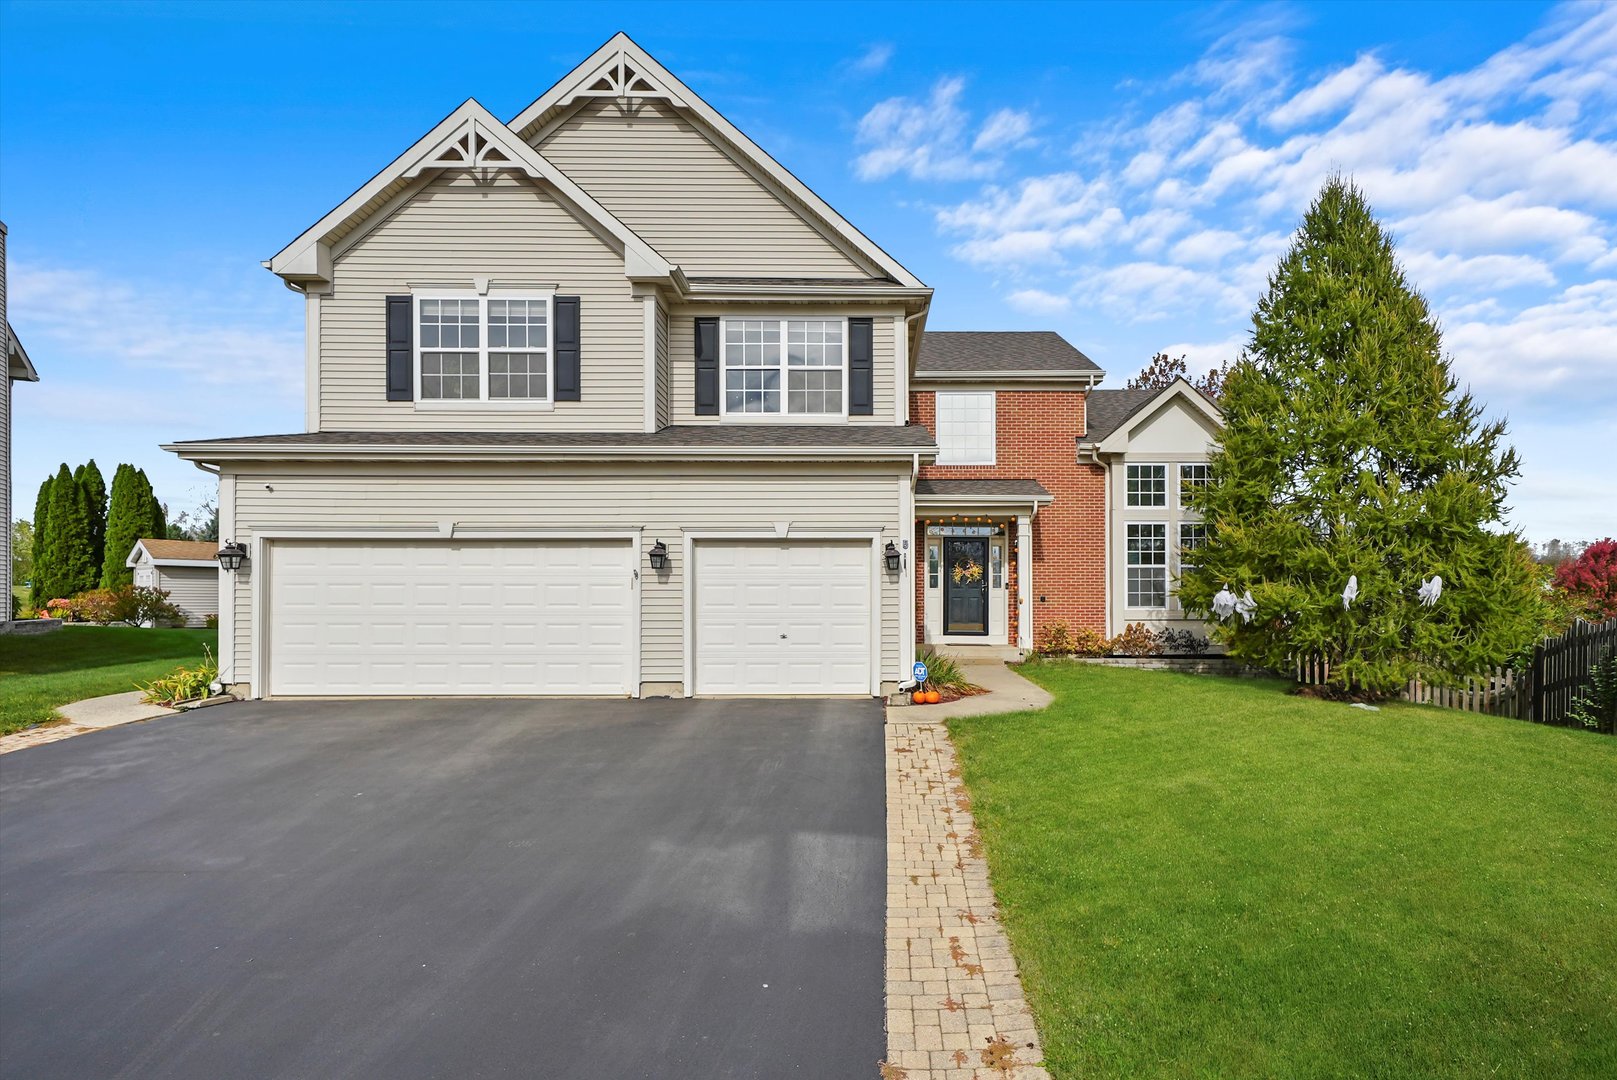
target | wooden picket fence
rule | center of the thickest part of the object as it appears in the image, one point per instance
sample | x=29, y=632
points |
x=1543, y=693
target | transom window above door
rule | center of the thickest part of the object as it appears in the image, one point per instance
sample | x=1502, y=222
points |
x=966, y=423
x=484, y=348
x=785, y=367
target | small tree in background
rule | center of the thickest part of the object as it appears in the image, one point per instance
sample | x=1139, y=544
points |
x=1163, y=369
x=22, y=551
x=42, y=515
x=124, y=525
x=63, y=564
x=88, y=477
x=1348, y=450
x=1590, y=581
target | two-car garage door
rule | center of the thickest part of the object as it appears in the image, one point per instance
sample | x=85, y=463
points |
x=427, y=618
x=559, y=617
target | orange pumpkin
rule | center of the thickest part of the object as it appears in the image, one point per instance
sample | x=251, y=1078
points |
x=919, y=697
x=933, y=697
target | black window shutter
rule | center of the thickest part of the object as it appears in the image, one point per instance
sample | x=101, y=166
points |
x=568, y=382
x=861, y=367
x=707, y=367
x=400, y=349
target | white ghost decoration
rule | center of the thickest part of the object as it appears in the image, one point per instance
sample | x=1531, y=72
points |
x=1224, y=603
x=1246, y=606
x=1429, y=591
x=1351, y=593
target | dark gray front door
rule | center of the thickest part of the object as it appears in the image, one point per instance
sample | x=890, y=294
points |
x=965, y=585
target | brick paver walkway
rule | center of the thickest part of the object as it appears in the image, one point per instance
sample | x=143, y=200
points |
x=955, y=1009
x=38, y=736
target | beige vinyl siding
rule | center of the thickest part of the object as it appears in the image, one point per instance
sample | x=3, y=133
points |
x=681, y=193
x=665, y=499
x=455, y=228
x=193, y=589
x=664, y=373
x=682, y=356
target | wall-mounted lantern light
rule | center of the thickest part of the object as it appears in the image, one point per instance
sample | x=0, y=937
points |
x=895, y=560
x=658, y=555
x=231, y=556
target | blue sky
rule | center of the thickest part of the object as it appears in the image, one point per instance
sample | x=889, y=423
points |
x=1124, y=174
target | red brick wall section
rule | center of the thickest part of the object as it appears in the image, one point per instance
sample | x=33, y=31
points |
x=1037, y=439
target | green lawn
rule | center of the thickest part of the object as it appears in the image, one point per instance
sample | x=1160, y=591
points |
x=40, y=672
x=1206, y=877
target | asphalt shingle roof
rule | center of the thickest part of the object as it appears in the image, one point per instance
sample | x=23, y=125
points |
x=946, y=351
x=194, y=550
x=1029, y=489
x=1108, y=410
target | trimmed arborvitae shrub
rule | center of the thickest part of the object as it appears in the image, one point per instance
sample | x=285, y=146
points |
x=66, y=564
x=1349, y=450
x=124, y=527
x=88, y=476
x=156, y=525
x=39, y=594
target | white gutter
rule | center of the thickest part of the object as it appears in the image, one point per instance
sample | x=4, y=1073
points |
x=210, y=452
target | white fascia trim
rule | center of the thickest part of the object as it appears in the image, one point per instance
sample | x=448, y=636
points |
x=788, y=534
x=675, y=90
x=1118, y=441
x=809, y=294
x=486, y=453
x=18, y=367
x=309, y=256
x=1083, y=378
x=185, y=562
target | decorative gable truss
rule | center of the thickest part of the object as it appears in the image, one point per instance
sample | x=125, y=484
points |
x=619, y=76
x=470, y=138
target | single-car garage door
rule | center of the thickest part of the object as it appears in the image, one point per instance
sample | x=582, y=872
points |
x=447, y=617
x=783, y=617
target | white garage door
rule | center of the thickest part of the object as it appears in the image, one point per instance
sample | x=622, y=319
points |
x=783, y=617
x=427, y=618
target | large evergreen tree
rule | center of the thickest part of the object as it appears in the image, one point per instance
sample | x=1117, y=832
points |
x=88, y=476
x=156, y=516
x=64, y=559
x=39, y=593
x=1348, y=450
x=125, y=523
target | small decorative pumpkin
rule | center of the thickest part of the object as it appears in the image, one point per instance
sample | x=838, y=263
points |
x=919, y=697
x=933, y=697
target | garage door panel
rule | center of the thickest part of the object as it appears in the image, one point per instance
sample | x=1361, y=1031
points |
x=782, y=617
x=462, y=618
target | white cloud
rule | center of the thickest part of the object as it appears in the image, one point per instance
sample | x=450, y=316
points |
x=932, y=139
x=1567, y=344
x=873, y=59
x=1038, y=302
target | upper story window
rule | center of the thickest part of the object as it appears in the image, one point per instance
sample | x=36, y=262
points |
x=966, y=428
x=1192, y=476
x=477, y=348
x=785, y=367
x=1148, y=485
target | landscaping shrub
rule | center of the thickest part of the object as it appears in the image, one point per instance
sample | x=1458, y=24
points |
x=1181, y=642
x=942, y=672
x=183, y=684
x=97, y=606
x=1055, y=640
x=137, y=606
x=210, y=622
x=1136, y=640
x=1596, y=708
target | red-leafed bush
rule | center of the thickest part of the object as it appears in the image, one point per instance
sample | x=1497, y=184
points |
x=1590, y=580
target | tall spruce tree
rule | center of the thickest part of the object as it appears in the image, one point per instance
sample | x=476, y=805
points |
x=1348, y=450
x=65, y=559
x=88, y=477
x=124, y=526
x=39, y=593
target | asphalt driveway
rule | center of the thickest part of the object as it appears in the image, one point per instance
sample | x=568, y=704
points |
x=413, y=889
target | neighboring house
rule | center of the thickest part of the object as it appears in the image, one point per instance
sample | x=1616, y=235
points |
x=185, y=569
x=604, y=400
x=18, y=369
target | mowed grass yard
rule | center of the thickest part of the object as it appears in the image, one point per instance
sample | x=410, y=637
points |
x=1208, y=877
x=38, y=672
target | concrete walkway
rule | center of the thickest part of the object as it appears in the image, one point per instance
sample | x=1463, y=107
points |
x=91, y=714
x=955, y=1008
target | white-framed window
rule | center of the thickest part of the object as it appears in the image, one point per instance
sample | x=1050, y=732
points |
x=933, y=559
x=495, y=348
x=1193, y=475
x=1147, y=564
x=785, y=367
x=966, y=427
x=1147, y=485
x=1192, y=538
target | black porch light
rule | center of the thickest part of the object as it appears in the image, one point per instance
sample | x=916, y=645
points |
x=895, y=560
x=231, y=556
x=658, y=555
